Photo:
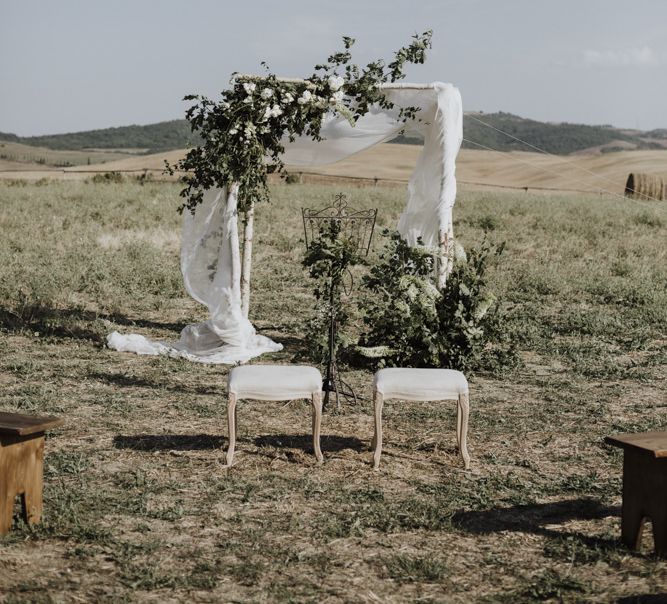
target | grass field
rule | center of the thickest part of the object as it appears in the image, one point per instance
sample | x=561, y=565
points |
x=476, y=169
x=15, y=156
x=139, y=505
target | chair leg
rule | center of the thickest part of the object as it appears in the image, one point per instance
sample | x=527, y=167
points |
x=464, y=410
x=231, y=420
x=458, y=425
x=377, y=439
x=317, y=422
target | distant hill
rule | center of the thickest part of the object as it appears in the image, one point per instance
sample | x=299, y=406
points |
x=152, y=138
x=559, y=139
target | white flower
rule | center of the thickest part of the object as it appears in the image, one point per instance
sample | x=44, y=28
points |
x=249, y=87
x=484, y=306
x=305, y=97
x=249, y=130
x=248, y=99
x=233, y=131
x=224, y=105
x=375, y=352
x=274, y=111
x=288, y=98
x=335, y=82
x=459, y=253
x=337, y=97
x=267, y=93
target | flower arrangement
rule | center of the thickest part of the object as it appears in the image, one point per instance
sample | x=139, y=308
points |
x=411, y=323
x=242, y=133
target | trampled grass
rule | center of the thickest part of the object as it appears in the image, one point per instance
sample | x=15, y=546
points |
x=138, y=503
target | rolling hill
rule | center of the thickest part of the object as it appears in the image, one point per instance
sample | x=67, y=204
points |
x=151, y=138
x=482, y=130
x=559, y=139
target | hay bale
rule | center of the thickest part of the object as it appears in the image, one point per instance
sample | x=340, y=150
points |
x=645, y=186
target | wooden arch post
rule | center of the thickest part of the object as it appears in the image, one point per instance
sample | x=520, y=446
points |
x=246, y=264
x=445, y=257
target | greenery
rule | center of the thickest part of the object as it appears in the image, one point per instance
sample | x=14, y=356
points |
x=410, y=323
x=138, y=505
x=328, y=260
x=242, y=134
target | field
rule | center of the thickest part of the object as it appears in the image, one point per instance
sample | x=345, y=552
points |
x=392, y=164
x=17, y=156
x=139, y=505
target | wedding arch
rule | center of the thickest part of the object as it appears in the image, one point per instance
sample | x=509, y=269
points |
x=262, y=124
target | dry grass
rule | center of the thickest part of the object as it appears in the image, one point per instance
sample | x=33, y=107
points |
x=14, y=156
x=138, y=503
x=480, y=168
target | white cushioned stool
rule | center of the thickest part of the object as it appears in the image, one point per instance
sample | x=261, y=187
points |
x=274, y=383
x=421, y=385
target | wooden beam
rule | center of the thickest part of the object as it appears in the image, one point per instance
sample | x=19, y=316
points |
x=386, y=86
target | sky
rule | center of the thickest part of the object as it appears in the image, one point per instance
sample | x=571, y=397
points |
x=73, y=65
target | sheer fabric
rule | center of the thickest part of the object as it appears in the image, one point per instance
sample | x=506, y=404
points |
x=210, y=256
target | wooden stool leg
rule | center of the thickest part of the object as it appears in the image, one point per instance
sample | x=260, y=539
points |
x=633, y=511
x=231, y=421
x=31, y=504
x=464, y=409
x=644, y=493
x=6, y=512
x=632, y=525
x=31, y=499
x=659, y=522
x=317, y=422
x=377, y=439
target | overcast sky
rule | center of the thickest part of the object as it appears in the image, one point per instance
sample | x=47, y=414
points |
x=70, y=65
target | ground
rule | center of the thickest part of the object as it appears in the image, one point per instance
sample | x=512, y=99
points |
x=140, y=507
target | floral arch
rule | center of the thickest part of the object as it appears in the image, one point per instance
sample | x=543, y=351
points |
x=263, y=123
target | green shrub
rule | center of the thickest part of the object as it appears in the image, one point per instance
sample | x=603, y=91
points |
x=410, y=323
x=106, y=177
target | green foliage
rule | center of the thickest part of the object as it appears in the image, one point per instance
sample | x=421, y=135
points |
x=411, y=323
x=106, y=177
x=328, y=259
x=242, y=134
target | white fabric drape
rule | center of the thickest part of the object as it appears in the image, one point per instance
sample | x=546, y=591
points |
x=211, y=267
x=210, y=256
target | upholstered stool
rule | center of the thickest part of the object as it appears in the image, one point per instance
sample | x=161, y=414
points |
x=274, y=383
x=421, y=385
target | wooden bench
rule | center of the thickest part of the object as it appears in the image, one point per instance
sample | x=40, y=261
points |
x=644, y=487
x=21, y=464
